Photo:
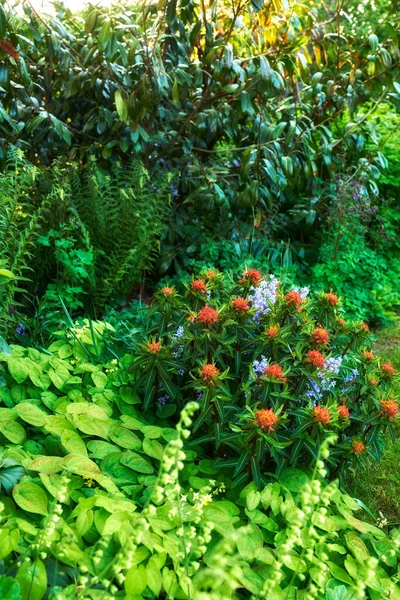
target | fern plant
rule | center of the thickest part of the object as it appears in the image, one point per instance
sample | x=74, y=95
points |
x=77, y=232
x=120, y=215
x=21, y=220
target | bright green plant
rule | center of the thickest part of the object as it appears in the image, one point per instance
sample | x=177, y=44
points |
x=67, y=537
x=276, y=371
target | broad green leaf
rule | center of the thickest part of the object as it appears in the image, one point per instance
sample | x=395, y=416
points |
x=84, y=522
x=154, y=579
x=249, y=540
x=136, y=462
x=31, y=497
x=9, y=539
x=125, y=438
x=99, y=379
x=253, y=499
x=31, y=414
x=153, y=448
x=19, y=368
x=13, y=431
x=47, y=464
x=136, y=580
x=73, y=442
x=80, y=465
x=32, y=579
x=121, y=105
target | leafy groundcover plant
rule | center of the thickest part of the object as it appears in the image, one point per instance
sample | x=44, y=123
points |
x=275, y=372
x=100, y=501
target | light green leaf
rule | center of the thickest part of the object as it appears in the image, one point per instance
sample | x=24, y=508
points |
x=121, y=106
x=47, y=464
x=31, y=497
x=31, y=414
x=32, y=579
x=136, y=580
x=13, y=431
x=73, y=442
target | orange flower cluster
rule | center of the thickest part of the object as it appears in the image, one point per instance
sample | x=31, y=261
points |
x=344, y=412
x=199, y=286
x=364, y=327
x=209, y=372
x=167, y=291
x=322, y=415
x=358, y=447
x=266, y=419
x=272, y=332
x=153, y=347
x=253, y=275
x=332, y=299
x=276, y=372
x=388, y=369
x=316, y=359
x=293, y=298
x=341, y=322
x=240, y=305
x=321, y=336
x=390, y=408
x=368, y=355
x=208, y=316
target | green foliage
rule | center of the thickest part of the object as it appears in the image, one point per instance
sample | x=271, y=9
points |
x=360, y=254
x=112, y=224
x=276, y=373
x=77, y=232
x=252, y=107
x=90, y=518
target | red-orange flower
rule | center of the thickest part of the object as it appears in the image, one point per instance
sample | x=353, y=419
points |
x=209, y=372
x=208, y=315
x=341, y=322
x=358, y=447
x=344, y=412
x=275, y=371
x=316, y=358
x=374, y=381
x=322, y=414
x=240, y=305
x=266, y=419
x=332, y=299
x=390, y=408
x=293, y=298
x=253, y=275
x=364, y=327
x=388, y=369
x=153, y=347
x=368, y=355
x=321, y=336
x=167, y=291
x=272, y=332
x=199, y=286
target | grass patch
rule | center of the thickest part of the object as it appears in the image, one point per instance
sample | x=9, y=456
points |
x=378, y=486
